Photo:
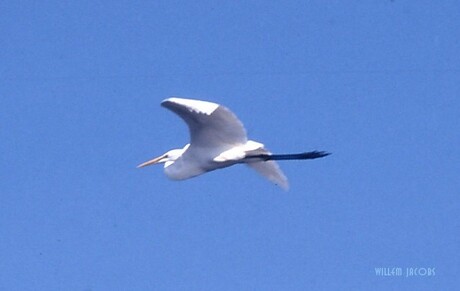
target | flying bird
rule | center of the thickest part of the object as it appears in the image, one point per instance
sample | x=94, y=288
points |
x=218, y=140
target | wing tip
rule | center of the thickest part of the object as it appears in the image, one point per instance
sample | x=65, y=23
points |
x=192, y=105
x=271, y=171
x=169, y=100
x=284, y=185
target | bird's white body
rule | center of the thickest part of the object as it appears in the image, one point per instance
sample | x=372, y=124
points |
x=191, y=162
x=217, y=140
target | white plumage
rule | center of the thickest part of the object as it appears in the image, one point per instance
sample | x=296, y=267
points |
x=218, y=140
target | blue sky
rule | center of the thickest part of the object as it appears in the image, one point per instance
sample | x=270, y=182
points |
x=375, y=83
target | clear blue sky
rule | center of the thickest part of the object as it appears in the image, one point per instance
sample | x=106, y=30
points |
x=375, y=83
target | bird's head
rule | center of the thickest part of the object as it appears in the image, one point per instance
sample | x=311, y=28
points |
x=167, y=158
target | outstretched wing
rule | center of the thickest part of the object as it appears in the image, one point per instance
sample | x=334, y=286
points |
x=268, y=169
x=272, y=172
x=211, y=125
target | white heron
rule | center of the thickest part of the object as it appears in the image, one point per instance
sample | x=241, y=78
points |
x=218, y=140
